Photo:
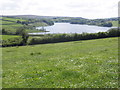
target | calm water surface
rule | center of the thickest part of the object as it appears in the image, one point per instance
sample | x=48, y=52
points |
x=72, y=28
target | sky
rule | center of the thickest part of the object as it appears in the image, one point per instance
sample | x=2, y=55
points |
x=91, y=9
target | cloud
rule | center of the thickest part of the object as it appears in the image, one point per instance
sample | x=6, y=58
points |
x=9, y=5
x=75, y=8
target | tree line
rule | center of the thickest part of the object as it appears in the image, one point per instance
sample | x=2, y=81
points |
x=55, y=38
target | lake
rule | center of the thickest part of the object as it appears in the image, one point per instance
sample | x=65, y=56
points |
x=71, y=28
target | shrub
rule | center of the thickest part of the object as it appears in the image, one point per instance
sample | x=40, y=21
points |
x=102, y=34
x=114, y=32
x=21, y=31
x=12, y=42
x=6, y=32
x=53, y=38
x=107, y=24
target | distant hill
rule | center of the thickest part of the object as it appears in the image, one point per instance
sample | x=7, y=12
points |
x=73, y=20
x=51, y=17
x=38, y=17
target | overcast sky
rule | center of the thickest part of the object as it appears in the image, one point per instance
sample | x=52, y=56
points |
x=74, y=8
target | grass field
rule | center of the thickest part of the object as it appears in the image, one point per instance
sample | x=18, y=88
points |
x=11, y=25
x=11, y=19
x=8, y=23
x=78, y=64
x=5, y=37
x=115, y=23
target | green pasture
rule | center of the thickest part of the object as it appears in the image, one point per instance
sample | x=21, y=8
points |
x=115, y=23
x=77, y=64
x=5, y=37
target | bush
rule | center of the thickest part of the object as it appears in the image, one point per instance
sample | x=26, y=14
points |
x=107, y=24
x=102, y=34
x=53, y=38
x=114, y=32
x=6, y=32
x=21, y=31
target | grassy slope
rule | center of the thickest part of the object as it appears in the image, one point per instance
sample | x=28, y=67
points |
x=12, y=19
x=11, y=25
x=115, y=23
x=90, y=63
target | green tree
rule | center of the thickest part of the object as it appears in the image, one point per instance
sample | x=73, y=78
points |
x=21, y=31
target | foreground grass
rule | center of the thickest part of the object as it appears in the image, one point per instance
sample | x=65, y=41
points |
x=78, y=64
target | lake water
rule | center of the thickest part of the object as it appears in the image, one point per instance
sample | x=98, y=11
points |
x=72, y=28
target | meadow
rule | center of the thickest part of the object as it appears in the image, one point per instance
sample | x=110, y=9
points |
x=76, y=64
x=6, y=37
x=115, y=23
x=11, y=25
